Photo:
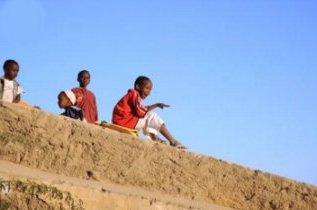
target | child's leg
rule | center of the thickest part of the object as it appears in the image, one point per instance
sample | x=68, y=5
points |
x=150, y=133
x=173, y=142
x=153, y=120
x=150, y=125
x=168, y=135
x=141, y=125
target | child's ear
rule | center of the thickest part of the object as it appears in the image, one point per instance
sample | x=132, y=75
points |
x=138, y=87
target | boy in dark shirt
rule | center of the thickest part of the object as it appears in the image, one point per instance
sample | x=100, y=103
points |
x=66, y=100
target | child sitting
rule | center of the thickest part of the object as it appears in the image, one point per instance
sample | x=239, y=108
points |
x=66, y=100
x=86, y=100
x=130, y=113
x=10, y=90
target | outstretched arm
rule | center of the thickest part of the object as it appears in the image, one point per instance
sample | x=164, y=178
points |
x=157, y=105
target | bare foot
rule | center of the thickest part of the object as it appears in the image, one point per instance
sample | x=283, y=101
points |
x=177, y=144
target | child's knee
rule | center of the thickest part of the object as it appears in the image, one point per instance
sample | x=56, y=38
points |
x=151, y=130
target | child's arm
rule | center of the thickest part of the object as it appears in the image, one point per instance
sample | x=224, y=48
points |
x=17, y=99
x=157, y=105
x=19, y=93
x=95, y=103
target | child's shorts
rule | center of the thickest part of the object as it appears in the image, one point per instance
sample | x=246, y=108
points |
x=151, y=123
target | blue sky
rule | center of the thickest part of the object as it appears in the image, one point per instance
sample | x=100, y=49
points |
x=240, y=76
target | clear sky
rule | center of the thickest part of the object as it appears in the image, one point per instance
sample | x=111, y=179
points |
x=240, y=76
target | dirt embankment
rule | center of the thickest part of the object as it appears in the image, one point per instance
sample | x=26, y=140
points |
x=16, y=194
x=36, y=189
x=63, y=146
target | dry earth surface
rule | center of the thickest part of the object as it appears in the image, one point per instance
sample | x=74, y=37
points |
x=66, y=164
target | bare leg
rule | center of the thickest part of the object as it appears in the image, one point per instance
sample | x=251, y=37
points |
x=153, y=136
x=167, y=134
x=169, y=137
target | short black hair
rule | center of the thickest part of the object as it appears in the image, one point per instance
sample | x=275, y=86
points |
x=81, y=73
x=140, y=80
x=8, y=62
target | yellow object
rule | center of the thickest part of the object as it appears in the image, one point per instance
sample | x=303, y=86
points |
x=119, y=128
x=25, y=104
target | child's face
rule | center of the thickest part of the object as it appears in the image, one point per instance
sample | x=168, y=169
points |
x=84, y=80
x=63, y=100
x=11, y=72
x=144, y=89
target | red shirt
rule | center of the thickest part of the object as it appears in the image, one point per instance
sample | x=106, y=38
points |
x=86, y=100
x=128, y=110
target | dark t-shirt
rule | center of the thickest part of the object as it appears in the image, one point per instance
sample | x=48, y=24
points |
x=73, y=112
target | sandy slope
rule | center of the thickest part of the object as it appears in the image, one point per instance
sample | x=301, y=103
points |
x=17, y=194
x=97, y=195
x=63, y=146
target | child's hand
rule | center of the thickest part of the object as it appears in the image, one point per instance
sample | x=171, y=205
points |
x=162, y=105
x=157, y=105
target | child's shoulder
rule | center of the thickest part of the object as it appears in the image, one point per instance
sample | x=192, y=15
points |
x=79, y=90
x=132, y=93
x=15, y=82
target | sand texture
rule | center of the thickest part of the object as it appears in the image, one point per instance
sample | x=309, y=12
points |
x=64, y=147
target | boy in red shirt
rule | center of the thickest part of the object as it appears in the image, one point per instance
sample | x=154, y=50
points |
x=86, y=99
x=130, y=113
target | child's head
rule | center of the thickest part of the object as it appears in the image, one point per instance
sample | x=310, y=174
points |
x=83, y=78
x=143, y=85
x=11, y=69
x=66, y=98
